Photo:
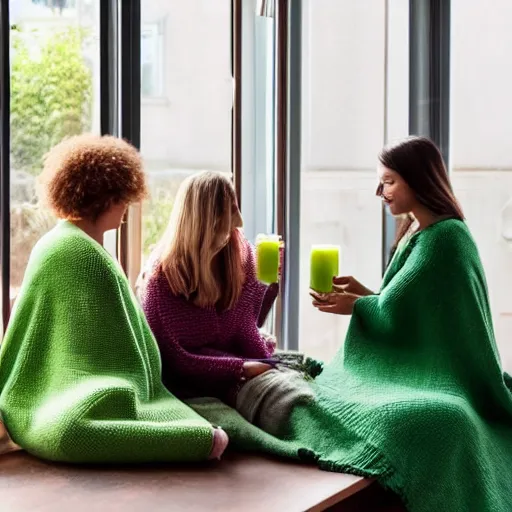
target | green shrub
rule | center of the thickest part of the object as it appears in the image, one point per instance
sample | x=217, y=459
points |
x=51, y=98
x=156, y=212
x=51, y=93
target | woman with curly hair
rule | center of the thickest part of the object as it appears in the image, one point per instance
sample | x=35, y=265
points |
x=80, y=372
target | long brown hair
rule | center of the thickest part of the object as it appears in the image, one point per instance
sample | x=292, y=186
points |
x=420, y=164
x=202, y=251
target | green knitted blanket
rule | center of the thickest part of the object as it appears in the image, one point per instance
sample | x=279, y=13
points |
x=416, y=397
x=79, y=367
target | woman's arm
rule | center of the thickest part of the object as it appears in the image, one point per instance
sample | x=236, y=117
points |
x=214, y=369
x=162, y=315
x=416, y=285
x=351, y=285
x=268, y=301
x=267, y=294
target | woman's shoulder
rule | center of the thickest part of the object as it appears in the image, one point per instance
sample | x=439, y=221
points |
x=448, y=238
x=155, y=287
x=154, y=278
x=66, y=260
x=248, y=250
x=67, y=244
x=249, y=264
x=451, y=226
x=448, y=231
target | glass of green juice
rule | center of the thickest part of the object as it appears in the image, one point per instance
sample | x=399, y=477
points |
x=324, y=266
x=267, y=258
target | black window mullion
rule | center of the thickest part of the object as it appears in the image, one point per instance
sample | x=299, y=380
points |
x=109, y=67
x=236, y=118
x=130, y=16
x=280, y=155
x=130, y=71
x=429, y=84
x=287, y=164
x=293, y=170
x=5, y=232
x=429, y=71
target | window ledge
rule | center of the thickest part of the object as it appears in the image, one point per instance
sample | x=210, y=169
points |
x=262, y=485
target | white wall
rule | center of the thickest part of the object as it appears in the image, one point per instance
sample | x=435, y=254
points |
x=481, y=105
x=481, y=99
x=343, y=91
x=190, y=126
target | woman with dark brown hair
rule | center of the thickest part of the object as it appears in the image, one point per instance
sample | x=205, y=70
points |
x=417, y=396
x=414, y=184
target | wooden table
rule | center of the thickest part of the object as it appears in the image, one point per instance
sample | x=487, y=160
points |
x=237, y=483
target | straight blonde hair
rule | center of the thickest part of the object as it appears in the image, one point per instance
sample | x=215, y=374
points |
x=202, y=253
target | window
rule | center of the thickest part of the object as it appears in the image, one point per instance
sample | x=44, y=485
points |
x=343, y=113
x=480, y=156
x=354, y=97
x=258, y=97
x=193, y=131
x=54, y=94
x=151, y=61
x=258, y=118
x=56, y=6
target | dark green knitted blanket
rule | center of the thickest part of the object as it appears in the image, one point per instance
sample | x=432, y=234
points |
x=416, y=397
x=80, y=369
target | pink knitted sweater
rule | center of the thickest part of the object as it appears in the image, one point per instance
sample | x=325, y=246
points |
x=203, y=349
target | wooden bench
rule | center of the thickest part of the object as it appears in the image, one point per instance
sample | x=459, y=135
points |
x=238, y=482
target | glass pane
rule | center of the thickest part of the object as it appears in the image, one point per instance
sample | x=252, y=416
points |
x=258, y=95
x=348, y=85
x=185, y=115
x=54, y=94
x=397, y=93
x=481, y=160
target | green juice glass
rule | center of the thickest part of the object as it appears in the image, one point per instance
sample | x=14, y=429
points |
x=324, y=266
x=267, y=258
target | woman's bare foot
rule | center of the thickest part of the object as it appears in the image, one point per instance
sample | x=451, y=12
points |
x=220, y=442
x=6, y=443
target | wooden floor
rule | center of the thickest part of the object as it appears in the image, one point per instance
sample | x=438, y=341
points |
x=239, y=482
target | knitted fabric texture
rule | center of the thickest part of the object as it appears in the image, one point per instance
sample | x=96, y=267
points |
x=416, y=397
x=79, y=368
x=268, y=399
x=203, y=349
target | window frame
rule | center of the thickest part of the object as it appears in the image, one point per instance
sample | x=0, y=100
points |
x=120, y=98
x=157, y=31
x=5, y=182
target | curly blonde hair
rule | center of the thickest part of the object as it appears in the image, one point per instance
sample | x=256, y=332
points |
x=83, y=176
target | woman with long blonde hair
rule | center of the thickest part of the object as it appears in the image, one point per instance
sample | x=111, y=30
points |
x=201, y=296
